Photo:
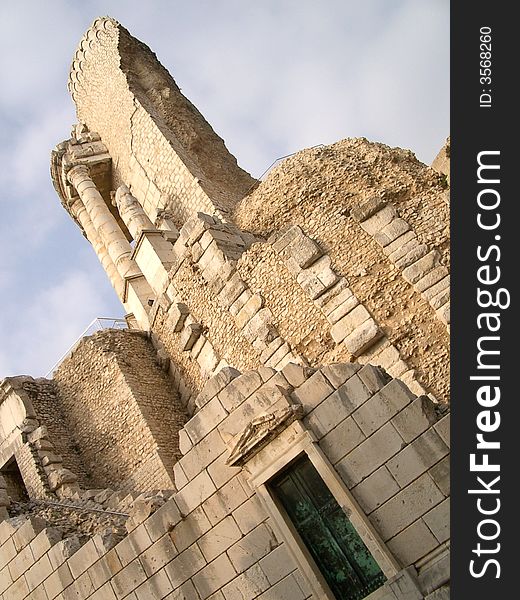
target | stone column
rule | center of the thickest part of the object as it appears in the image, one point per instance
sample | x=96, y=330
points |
x=152, y=252
x=80, y=213
x=132, y=212
x=104, y=222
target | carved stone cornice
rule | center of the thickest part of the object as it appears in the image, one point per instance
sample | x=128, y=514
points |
x=260, y=431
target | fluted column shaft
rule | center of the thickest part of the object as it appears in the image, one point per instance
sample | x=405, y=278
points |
x=132, y=212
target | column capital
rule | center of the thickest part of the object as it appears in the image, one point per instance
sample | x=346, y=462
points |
x=78, y=174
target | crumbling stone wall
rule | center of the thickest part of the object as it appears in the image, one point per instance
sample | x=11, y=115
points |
x=320, y=189
x=216, y=536
x=122, y=410
x=160, y=144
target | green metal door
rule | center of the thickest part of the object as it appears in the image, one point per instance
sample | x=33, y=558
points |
x=339, y=552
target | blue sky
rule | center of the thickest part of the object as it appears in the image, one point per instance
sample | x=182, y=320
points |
x=271, y=76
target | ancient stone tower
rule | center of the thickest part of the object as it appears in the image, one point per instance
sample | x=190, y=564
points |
x=274, y=421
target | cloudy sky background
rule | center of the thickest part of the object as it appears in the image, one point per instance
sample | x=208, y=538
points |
x=271, y=76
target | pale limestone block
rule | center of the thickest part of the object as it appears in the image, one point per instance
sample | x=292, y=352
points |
x=177, y=314
x=288, y=587
x=231, y=291
x=44, y=541
x=363, y=337
x=214, y=576
x=398, y=369
x=270, y=349
x=338, y=373
x=277, y=564
x=440, y=473
x=442, y=427
x=328, y=296
x=204, y=421
x=375, y=490
x=282, y=351
x=431, y=278
x=240, y=302
x=128, y=579
x=287, y=238
x=163, y=519
x=412, y=256
x=341, y=440
x=388, y=357
x=304, y=251
x=413, y=543
x=349, y=323
x=369, y=455
x=417, y=457
x=296, y=374
x=421, y=267
x=86, y=556
x=225, y=501
x=159, y=554
x=437, y=289
x=443, y=313
x=398, y=244
x=195, y=492
x=216, y=384
x=252, y=547
x=239, y=389
x=368, y=208
x=404, y=250
x=440, y=299
x=28, y=531
x=382, y=406
x=373, y=377
x=207, y=359
x=379, y=220
x=406, y=507
x=247, y=585
x=189, y=335
x=61, y=551
x=260, y=326
x=157, y=586
x=190, y=529
x=249, y=514
x=416, y=418
x=219, y=538
x=313, y=391
x=58, y=581
x=250, y=308
x=391, y=232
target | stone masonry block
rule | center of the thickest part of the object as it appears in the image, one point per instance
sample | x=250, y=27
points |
x=431, y=278
x=287, y=238
x=27, y=532
x=349, y=323
x=128, y=579
x=440, y=474
x=239, y=389
x=415, y=418
x=421, y=267
x=406, y=507
x=184, y=566
x=327, y=299
x=159, y=554
x=277, y=564
x=216, y=384
x=247, y=585
x=378, y=220
x=189, y=335
x=438, y=521
x=373, y=377
x=304, y=251
x=442, y=427
x=313, y=391
x=412, y=256
x=371, y=206
x=177, y=315
x=417, y=457
x=214, y=576
x=382, y=406
x=341, y=440
x=343, y=309
x=231, y=291
x=375, y=490
x=403, y=248
x=437, y=290
x=195, y=492
x=250, y=308
x=369, y=455
x=252, y=547
x=399, y=243
x=391, y=232
x=218, y=539
x=363, y=337
x=339, y=373
x=412, y=543
x=317, y=278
